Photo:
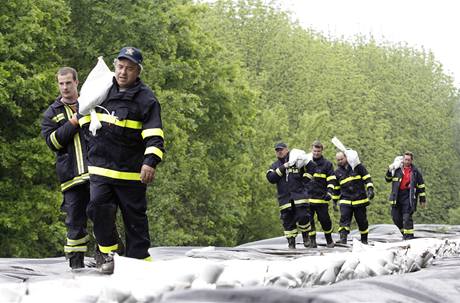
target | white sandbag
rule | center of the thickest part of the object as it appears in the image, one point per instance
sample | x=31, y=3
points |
x=352, y=155
x=299, y=158
x=397, y=163
x=338, y=144
x=211, y=272
x=303, y=160
x=96, y=87
x=242, y=273
x=352, y=158
x=347, y=271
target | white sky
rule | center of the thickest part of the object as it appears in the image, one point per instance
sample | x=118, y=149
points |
x=433, y=24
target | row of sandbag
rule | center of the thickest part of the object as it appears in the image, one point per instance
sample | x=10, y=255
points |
x=139, y=281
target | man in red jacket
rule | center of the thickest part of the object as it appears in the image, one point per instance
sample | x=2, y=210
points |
x=407, y=187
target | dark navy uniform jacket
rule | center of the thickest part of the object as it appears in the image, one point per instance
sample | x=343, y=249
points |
x=131, y=135
x=66, y=140
x=291, y=183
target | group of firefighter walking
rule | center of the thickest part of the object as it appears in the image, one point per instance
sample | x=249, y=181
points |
x=307, y=191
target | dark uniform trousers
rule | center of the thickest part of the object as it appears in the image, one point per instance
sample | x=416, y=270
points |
x=322, y=212
x=75, y=202
x=295, y=218
x=346, y=214
x=402, y=212
x=102, y=210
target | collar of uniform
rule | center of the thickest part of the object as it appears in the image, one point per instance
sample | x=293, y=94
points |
x=127, y=94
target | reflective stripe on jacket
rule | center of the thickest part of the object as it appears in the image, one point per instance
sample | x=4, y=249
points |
x=291, y=183
x=66, y=140
x=416, y=187
x=131, y=134
x=323, y=182
x=352, y=185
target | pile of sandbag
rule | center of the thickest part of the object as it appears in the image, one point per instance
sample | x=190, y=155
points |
x=139, y=281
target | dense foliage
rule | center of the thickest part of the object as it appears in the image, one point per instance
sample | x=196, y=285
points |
x=233, y=77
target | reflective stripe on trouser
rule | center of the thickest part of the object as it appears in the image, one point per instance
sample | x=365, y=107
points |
x=303, y=228
x=102, y=209
x=76, y=245
x=295, y=216
x=322, y=213
x=290, y=233
x=76, y=200
x=360, y=214
x=401, y=213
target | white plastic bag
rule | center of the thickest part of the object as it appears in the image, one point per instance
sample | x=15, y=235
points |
x=299, y=158
x=96, y=87
x=95, y=124
x=352, y=155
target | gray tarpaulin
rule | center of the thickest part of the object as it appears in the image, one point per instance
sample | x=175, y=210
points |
x=426, y=269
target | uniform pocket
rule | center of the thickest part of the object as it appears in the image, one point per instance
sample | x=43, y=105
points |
x=121, y=115
x=64, y=167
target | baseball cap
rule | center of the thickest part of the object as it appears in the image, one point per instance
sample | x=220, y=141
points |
x=131, y=53
x=280, y=145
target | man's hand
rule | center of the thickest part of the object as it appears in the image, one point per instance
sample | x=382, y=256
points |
x=74, y=120
x=147, y=174
x=370, y=193
x=423, y=204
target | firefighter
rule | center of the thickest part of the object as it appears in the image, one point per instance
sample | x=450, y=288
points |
x=123, y=156
x=65, y=137
x=407, y=187
x=291, y=183
x=353, y=191
x=321, y=190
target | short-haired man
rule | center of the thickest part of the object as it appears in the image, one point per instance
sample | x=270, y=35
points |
x=292, y=194
x=122, y=160
x=321, y=189
x=64, y=136
x=353, y=191
x=407, y=186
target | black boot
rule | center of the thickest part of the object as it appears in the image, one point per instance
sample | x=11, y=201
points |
x=98, y=257
x=408, y=237
x=329, y=242
x=291, y=242
x=306, y=239
x=76, y=260
x=343, y=237
x=313, y=241
x=364, y=239
x=105, y=263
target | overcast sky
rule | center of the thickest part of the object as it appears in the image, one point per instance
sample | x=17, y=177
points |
x=433, y=24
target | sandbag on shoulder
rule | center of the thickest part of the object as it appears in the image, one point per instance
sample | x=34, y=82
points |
x=96, y=87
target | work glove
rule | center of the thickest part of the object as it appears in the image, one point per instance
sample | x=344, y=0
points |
x=370, y=193
x=334, y=205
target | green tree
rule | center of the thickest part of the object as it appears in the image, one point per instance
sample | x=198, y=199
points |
x=29, y=199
